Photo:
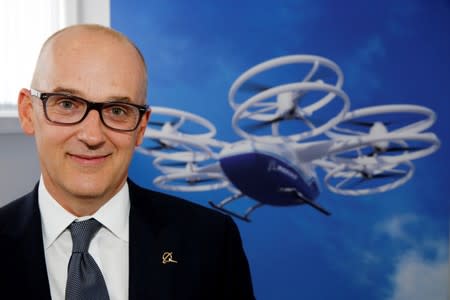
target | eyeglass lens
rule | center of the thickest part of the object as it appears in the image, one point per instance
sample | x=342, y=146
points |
x=64, y=109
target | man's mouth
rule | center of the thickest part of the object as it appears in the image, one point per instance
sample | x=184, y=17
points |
x=88, y=159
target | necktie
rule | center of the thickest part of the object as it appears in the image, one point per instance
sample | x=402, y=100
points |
x=84, y=278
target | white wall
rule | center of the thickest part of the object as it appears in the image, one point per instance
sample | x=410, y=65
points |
x=86, y=11
x=19, y=167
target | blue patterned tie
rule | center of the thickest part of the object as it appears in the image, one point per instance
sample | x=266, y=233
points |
x=84, y=278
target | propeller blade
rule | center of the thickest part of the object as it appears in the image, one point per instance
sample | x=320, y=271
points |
x=393, y=149
x=173, y=121
x=155, y=148
x=401, y=149
x=367, y=124
x=361, y=123
x=155, y=123
x=204, y=180
x=386, y=175
x=252, y=86
x=366, y=177
x=174, y=164
x=259, y=125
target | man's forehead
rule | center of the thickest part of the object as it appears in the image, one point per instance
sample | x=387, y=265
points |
x=88, y=46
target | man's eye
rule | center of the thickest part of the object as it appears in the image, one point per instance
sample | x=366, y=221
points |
x=66, y=104
x=118, y=111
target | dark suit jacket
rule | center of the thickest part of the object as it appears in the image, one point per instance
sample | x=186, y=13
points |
x=206, y=245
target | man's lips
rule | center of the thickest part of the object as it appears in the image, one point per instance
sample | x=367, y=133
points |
x=88, y=159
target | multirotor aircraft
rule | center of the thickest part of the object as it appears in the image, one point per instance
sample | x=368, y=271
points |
x=289, y=131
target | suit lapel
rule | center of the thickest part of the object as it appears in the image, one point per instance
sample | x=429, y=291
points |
x=30, y=248
x=150, y=239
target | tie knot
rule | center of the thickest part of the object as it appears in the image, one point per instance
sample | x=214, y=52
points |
x=82, y=234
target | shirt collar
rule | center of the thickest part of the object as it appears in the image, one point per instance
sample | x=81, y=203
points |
x=114, y=215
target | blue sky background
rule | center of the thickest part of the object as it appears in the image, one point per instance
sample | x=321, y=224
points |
x=386, y=246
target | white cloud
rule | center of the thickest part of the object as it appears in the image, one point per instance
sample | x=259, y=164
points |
x=417, y=278
x=395, y=227
x=421, y=270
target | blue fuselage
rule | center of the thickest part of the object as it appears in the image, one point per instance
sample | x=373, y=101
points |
x=263, y=175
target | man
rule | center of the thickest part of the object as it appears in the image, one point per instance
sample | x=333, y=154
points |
x=86, y=109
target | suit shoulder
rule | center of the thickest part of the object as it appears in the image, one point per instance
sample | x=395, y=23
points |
x=13, y=208
x=11, y=213
x=175, y=208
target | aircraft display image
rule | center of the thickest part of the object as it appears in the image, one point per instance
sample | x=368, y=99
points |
x=297, y=134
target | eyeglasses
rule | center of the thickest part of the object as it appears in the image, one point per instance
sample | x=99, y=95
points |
x=65, y=109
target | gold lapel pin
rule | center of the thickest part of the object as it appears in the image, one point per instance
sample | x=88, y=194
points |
x=167, y=258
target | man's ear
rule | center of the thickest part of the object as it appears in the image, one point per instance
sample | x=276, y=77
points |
x=142, y=127
x=25, y=109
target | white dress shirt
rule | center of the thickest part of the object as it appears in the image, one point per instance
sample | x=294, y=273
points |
x=109, y=247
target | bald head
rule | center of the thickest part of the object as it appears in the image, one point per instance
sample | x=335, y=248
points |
x=73, y=45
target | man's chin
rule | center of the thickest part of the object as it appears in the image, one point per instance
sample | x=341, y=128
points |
x=87, y=191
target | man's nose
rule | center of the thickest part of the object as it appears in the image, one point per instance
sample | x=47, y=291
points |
x=92, y=130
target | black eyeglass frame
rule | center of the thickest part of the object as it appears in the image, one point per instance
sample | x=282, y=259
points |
x=98, y=106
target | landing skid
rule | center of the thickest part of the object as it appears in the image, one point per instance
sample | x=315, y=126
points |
x=305, y=200
x=243, y=217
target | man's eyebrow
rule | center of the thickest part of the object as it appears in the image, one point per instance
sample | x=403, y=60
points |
x=66, y=91
x=78, y=93
x=119, y=99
